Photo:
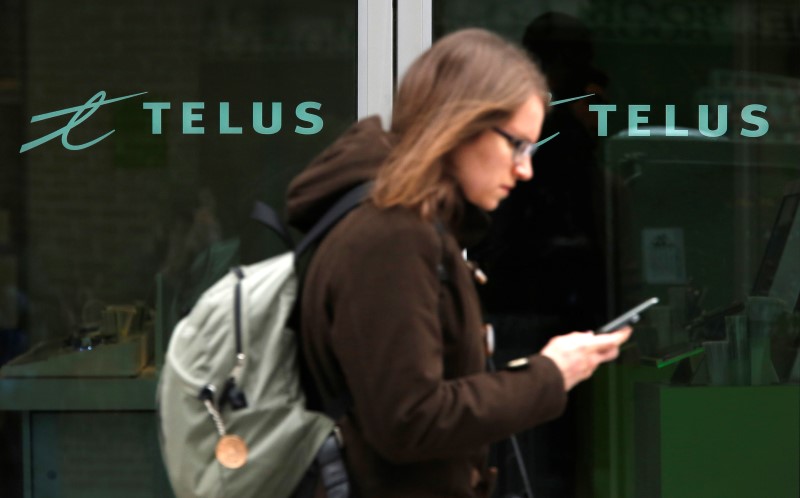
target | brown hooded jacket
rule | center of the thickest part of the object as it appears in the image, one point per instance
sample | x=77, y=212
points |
x=408, y=346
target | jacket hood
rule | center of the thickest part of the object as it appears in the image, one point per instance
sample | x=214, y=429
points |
x=352, y=159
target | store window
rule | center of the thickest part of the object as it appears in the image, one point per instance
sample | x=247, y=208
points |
x=675, y=176
x=107, y=238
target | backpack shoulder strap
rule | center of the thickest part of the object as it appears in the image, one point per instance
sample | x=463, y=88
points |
x=268, y=217
x=347, y=202
x=334, y=408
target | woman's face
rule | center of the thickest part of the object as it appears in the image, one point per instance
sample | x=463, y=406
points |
x=485, y=167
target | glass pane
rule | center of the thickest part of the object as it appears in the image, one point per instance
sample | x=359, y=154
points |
x=110, y=229
x=677, y=176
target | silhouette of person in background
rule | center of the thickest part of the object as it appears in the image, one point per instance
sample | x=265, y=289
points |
x=545, y=249
x=544, y=255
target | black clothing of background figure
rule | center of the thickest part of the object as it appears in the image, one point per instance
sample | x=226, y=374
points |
x=544, y=255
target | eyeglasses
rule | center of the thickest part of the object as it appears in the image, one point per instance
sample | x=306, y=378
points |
x=521, y=146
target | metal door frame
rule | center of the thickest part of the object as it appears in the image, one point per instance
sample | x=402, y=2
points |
x=376, y=49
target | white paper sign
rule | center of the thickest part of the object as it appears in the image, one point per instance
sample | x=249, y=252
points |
x=664, y=256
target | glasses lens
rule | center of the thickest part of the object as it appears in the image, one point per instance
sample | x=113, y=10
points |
x=523, y=149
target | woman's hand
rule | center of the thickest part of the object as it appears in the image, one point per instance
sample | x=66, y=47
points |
x=579, y=354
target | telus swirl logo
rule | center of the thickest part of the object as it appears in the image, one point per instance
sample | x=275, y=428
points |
x=191, y=117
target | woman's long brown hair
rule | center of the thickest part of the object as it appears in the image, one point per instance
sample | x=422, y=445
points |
x=464, y=84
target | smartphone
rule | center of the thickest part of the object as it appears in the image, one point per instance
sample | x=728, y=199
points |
x=628, y=318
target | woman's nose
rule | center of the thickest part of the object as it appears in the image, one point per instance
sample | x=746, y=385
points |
x=523, y=169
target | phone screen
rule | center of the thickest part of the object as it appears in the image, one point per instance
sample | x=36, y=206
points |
x=628, y=318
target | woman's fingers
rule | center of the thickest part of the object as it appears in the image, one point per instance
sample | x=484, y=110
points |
x=578, y=354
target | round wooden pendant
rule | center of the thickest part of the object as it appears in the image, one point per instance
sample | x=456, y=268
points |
x=231, y=451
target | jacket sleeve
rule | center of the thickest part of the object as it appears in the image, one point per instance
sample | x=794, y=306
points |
x=386, y=334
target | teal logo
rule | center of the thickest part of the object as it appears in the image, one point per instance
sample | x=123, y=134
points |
x=637, y=116
x=555, y=103
x=191, y=117
x=79, y=114
x=753, y=114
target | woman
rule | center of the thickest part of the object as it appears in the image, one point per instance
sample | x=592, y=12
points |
x=390, y=316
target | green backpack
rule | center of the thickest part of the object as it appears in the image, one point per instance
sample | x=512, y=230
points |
x=232, y=411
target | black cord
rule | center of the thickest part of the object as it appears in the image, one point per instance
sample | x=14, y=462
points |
x=523, y=471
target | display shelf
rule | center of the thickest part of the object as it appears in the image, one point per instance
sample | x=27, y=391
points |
x=79, y=394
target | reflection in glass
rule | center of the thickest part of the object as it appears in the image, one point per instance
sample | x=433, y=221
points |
x=170, y=190
x=678, y=189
